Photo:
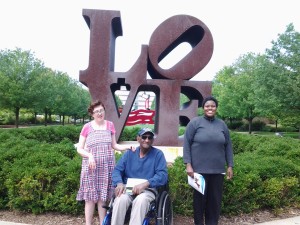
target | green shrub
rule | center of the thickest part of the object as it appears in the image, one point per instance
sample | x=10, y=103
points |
x=234, y=125
x=281, y=147
x=244, y=142
x=180, y=191
x=181, y=131
x=129, y=133
x=241, y=194
x=33, y=178
x=258, y=125
x=252, y=172
x=49, y=134
x=64, y=198
x=278, y=192
x=40, y=172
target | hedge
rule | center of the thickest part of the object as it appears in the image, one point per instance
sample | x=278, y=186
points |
x=40, y=172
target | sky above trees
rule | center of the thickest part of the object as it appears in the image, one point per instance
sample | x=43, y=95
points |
x=58, y=35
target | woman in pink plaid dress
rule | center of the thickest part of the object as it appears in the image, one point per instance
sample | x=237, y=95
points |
x=96, y=145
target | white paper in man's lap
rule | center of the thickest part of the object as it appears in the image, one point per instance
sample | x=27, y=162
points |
x=131, y=182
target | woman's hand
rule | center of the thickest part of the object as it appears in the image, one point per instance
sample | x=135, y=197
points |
x=189, y=170
x=229, y=173
x=92, y=163
x=132, y=148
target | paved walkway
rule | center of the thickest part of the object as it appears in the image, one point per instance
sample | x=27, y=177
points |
x=289, y=221
x=11, y=223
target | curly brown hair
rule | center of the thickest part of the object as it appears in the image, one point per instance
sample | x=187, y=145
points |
x=93, y=105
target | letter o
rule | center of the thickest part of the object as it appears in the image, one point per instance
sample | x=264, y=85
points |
x=171, y=33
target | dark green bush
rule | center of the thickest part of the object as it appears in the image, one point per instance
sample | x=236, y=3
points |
x=244, y=142
x=33, y=178
x=251, y=172
x=181, y=131
x=241, y=126
x=49, y=134
x=241, y=194
x=280, y=129
x=180, y=191
x=279, y=191
x=234, y=125
x=258, y=125
x=130, y=133
x=40, y=172
x=64, y=198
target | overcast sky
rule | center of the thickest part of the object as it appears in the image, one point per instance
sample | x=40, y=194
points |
x=55, y=31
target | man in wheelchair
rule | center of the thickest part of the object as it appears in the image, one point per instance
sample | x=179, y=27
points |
x=146, y=170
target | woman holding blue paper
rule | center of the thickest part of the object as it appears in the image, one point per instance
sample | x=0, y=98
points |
x=207, y=150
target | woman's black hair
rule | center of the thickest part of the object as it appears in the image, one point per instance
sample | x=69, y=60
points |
x=210, y=98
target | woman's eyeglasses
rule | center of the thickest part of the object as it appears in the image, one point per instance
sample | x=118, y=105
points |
x=144, y=137
x=99, y=111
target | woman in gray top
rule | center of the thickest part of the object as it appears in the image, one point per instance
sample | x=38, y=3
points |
x=207, y=150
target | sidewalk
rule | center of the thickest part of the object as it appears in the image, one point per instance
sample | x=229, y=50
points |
x=289, y=221
x=11, y=223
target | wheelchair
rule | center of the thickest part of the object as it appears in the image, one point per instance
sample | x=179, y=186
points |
x=160, y=210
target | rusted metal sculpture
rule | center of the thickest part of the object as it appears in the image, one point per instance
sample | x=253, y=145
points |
x=167, y=84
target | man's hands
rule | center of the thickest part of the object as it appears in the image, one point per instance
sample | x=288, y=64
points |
x=120, y=189
x=136, y=190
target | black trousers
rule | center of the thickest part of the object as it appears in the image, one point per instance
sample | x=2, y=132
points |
x=207, y=207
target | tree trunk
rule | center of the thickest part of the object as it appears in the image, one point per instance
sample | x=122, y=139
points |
x=35, y=118
x=250, y=119
x=250, y=125
x=230, y=121
x=50, y=117
x=17, y=114
x=74, y=120
x=45, y=122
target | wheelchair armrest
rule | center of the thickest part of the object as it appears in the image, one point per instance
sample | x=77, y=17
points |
x=153, y=191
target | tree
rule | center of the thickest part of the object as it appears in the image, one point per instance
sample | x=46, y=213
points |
x=63, y=96
x=41, y=90
x=285, y=83
x=83, y=102
x=18, y=70
x=223, y=90
x=234, y=88
x=80, y=100
x=266, y=102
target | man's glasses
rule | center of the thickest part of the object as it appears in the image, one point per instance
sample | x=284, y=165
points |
x=150, y=137
x=99, y=111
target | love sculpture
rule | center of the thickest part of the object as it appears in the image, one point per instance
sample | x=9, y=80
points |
x=167, y=84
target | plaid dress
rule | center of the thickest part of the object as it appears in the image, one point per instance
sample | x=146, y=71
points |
x=97, y=184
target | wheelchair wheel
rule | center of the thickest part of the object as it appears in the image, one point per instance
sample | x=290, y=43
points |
x=107, y=219
x=165, y=210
